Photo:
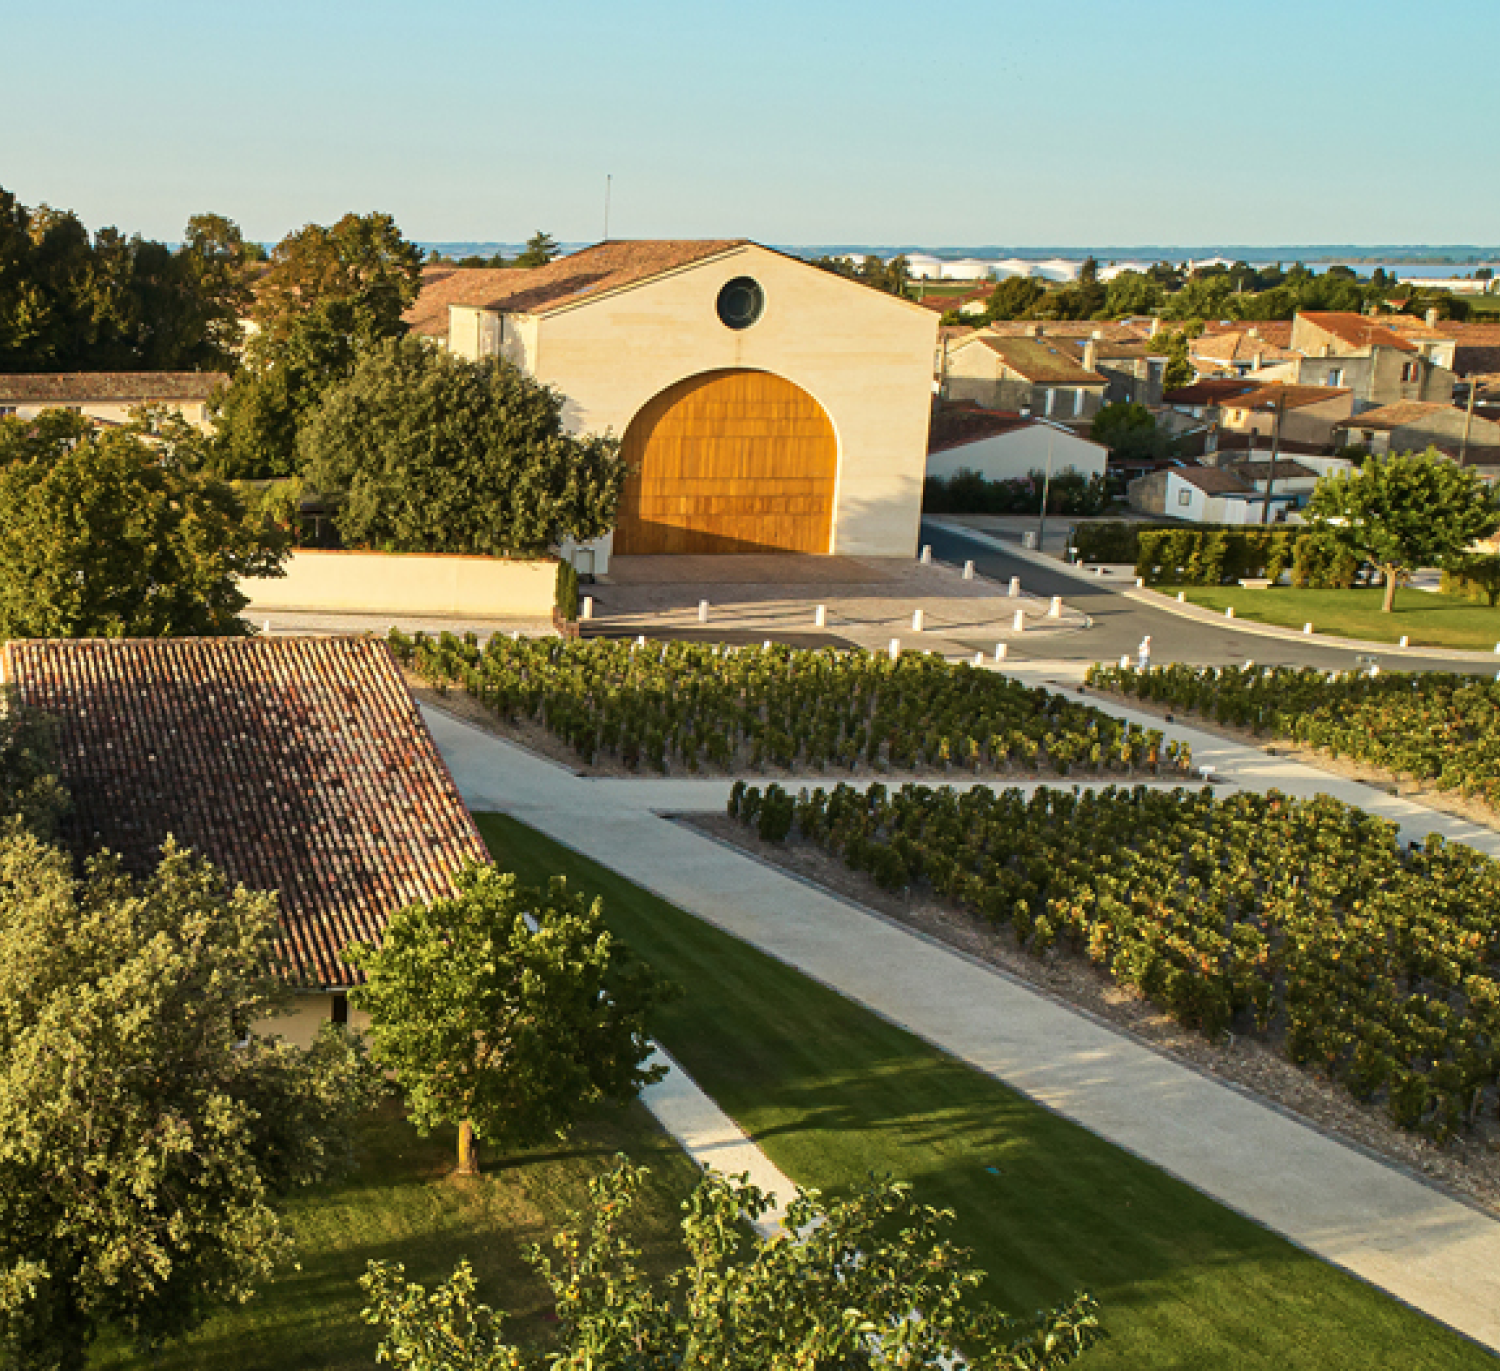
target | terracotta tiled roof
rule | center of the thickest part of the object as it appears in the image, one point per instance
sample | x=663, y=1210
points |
x=1038, y=360
x=1114, y=330
x=1213, y=480
x=1357, y=330
x=1230, y=440
x=958, y=423
x=294, y=764
x=1273, y=332
x=566, y=281
x=112, y=387
x=1210, y=391
x=1238, y=347
x=1396, y=415
x=1260, y=470
x=1267, y=397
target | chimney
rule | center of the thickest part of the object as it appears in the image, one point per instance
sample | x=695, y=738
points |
x=1155, y=328
x=1432, y=317
x=1254, y=333
x=1091, y=352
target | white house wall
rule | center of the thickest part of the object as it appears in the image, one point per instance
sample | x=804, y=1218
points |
x=1014, y=455
x=864, y=356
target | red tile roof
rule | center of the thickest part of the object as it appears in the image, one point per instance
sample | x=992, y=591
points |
x=1213, y=480
x=1396, y=415
x=1357, y=330
x=1273, y=332
x=108, y=387
x=1209, y=392
x=299, y=765
x=1038, y=360
x=566, y=281
x=958, y=423
x=1267, y=397
x=1238, y=347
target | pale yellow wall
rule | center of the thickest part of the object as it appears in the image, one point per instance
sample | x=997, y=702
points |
x=865, y=357
x=194, y=411
x=407, y=583
x=308, y=1013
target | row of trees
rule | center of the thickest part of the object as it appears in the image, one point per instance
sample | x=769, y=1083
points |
x=75, y=301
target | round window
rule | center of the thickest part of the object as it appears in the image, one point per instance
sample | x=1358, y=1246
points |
x=740, y=302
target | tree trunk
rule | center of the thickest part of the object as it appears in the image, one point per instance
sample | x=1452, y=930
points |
x=468, y=1155
x=1390, y=589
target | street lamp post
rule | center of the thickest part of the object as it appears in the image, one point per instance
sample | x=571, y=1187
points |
x=1041, y=523
x=1265, y=508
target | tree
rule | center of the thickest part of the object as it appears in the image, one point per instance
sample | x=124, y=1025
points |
x=541, y=248
x=30, y=791
x=865, y=1281
x=505, y=1011
x=1405, y=511
x=1014, y=298
x=1173, y=345
x=145, y=1137
x=430, y=452
x=101, y=539
x=1129, y=431
x=1132, y=292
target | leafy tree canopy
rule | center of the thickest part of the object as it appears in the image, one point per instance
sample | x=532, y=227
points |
x=1129, y=431
x=506, y=1011
x=72, y=301
x=144, y=1138
x=30, y=791
x=1015, y=298
x=893, y=277
x=1405, y=511
x=841, y=1288
x=430, y=452
x=541, y=248
x=100, y=538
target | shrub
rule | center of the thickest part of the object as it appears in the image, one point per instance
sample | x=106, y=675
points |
x=567, y=591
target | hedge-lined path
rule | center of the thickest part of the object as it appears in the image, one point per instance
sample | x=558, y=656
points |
x=1431, y=1251
x=1120, y=616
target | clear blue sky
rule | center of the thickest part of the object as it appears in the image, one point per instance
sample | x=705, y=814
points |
x=790, y=121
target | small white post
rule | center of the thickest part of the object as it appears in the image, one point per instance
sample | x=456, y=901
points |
x=1405, y=641
x=1182, y=597
x=1140, y=583
x=1307, y=628
x=927, y=554
x=979, y=659
x=1002, y=651
x=1056, y=611
x=895, y=648
x=641, y=641
x=1019, y=624
x=969, y=572
x=766, y=646
x=820, y=617
x=1015, y=590
x=587, y=609
x=916, y=621
x=1229, y=612
x=1497, y=647
x=267, y=628
x=1125, y=662
x=1098, y=571
x=702, y=611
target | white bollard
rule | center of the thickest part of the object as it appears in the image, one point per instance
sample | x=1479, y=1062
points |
x=1098, y=571
x=1307, y=628
x=1125, y=662
x=641, y=641
x=969, y=576
x=702, y=611
x=1497, y=647
x=766, y=646
x=979, y=659
x=1002, y=651
x=1405, y=641
x=1229, y=612
x=1140, y=583
x=267, y=628
x=895, y=648
x=1019, y=623
x=1182, y=597
x=587, y=611
x=1056, y=611
x=820, y=616
x=927, y=554
x=1015, y=589
x=916, y=621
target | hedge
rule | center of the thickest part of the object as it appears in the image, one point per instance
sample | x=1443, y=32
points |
x=1222, y=556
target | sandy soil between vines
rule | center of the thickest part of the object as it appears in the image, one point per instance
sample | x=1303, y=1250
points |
x=1423, y=792
x=1469, y=1168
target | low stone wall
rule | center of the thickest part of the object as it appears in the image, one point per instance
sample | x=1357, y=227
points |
x=408, y=583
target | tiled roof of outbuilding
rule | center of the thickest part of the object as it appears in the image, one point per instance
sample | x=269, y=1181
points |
x=112, y=387
x=299, y=765
x=1356, y=330
x=1041, y=361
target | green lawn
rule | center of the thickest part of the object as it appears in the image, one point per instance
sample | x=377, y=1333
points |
x=1428, y=620
x=401, y=1205
x=832, y=1093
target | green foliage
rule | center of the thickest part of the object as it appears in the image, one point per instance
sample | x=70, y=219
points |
x=1130, y=433
x=50, y=435
x=690, y=703
x=893, y=277
x=541, y=248
x=1405, y=511
x=1132, y=292
x=1319, y=563
x=1305, y=921
x=506, y=1009
x=30, y=791
x=797, y=1299
x=967, y=492
x=429, y=452
x=567, y=590
x=1215, y=556
x=144, y=1139
x=1476, y=576
x=1015, y=298
x=1173, y=345
x=101, y=539
x=71, y=301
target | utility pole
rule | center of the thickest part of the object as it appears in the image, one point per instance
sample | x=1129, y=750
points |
x=1265, y=509
x=1463, y=449
x=1041, y=523
x=608, y=181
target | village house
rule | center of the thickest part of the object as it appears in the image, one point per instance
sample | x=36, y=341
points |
x=1414, y=426
x=1308, y=414
x=1002, y=445
x=1204, y=495
x=1035, y=375
x=1242, y=353
x=109, y=397
x=764, y=404
x=1377, y=363
x=295, y=765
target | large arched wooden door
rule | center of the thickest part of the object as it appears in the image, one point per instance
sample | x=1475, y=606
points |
x=730, y=461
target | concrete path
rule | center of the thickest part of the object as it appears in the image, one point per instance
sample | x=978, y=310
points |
x=1374, y=1220
x=712, y=1139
